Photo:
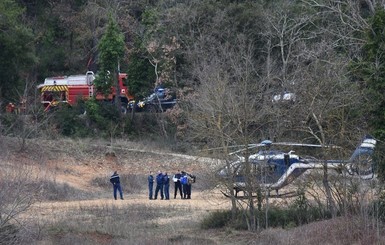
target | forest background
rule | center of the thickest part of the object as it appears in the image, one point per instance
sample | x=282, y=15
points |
x=326, y=52
x=225, y=59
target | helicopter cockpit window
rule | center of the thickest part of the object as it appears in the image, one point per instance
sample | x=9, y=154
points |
x=160, y=93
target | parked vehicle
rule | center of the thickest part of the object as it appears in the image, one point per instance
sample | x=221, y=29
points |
x=69, y=89
x=159, y=101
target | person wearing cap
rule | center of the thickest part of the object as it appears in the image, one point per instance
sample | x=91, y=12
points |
x=184, y=182
x=150, y=179
x=115, y=181
x=177, y=184
x=190, y=180
x=159, y=185
x=166, y=186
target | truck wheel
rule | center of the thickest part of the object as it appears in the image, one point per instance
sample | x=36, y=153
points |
x=124, y=108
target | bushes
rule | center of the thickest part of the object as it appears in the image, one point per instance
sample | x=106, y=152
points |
x=277, y=217
x=8, y=234
x=292, y=216
x=18, y=192
x=86, y=119
x=53, y=191
x=68, y=122
x=377, y=208
x=102, y=119
x=217, y=219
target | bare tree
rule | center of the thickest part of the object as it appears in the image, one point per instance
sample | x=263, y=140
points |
x=28, y=119
x=19, y=190
x=345, y=22
x=302, y=56
x=228, y=107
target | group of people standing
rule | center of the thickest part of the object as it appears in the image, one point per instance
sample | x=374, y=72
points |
x=182, y=184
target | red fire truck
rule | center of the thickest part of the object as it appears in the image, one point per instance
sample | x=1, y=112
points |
x=69, y=89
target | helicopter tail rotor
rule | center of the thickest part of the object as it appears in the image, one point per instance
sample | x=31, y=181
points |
x=362, y=163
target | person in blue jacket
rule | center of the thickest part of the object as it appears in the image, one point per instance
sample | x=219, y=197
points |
x=159, y=185
x=166, y=186
x=150, y=179
x=184, y=182
x=115, y=181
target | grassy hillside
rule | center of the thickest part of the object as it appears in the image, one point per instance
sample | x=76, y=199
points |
x=57, y=192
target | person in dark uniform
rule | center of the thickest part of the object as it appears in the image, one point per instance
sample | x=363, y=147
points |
x=115, y=180
x=150, y=185
x=159, y=185
x=188, y=188
x=184, y=182
x=190, y=181
x=177, y=184
x=166, y=186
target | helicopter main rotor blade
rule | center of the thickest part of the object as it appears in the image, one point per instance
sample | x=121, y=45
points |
x=306, y=145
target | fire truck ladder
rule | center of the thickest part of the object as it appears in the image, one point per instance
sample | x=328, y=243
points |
x=89, y=76
x=90, y=91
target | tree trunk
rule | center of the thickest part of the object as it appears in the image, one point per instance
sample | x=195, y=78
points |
x=330, y=201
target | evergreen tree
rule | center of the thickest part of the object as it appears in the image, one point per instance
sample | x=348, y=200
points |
x=16, y=49
x=371, y=70
x=111, y=51
x=141, y=74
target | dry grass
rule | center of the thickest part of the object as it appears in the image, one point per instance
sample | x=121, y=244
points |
x=135, y=220
x=76, y=206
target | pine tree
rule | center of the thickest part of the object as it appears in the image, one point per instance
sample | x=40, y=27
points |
x=111, y=51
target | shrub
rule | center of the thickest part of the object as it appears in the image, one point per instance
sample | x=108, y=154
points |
x=54, y=191
x=292, y=216
x=277, y=217
x=377, y=208
x=8, y=234
x=68, y=122
x=88, y=118
x=217, y=219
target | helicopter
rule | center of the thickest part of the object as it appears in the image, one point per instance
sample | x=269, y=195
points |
x=277, y=169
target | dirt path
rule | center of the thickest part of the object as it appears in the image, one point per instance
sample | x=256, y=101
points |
x=198, y=202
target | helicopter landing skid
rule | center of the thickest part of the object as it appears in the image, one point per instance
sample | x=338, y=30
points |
x=283, y=195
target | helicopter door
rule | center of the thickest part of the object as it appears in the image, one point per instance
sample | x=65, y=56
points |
x=286, y=158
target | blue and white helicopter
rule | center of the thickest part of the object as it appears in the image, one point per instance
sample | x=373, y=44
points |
x=276, y=169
